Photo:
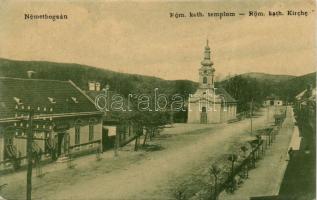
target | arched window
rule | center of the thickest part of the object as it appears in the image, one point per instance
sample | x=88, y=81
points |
x=77, y=132
x=91, y=129
x=204, y=80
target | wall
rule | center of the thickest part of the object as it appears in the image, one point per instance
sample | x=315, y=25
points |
x=230, y=113
x=193, y=113
x=84, y=136
x=213, y=114
x=278, y=103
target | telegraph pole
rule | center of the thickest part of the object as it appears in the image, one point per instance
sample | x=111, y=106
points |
x=29, y=155
x=29, y=143
x=267, y=114
x=251, y=110
x=30, y=130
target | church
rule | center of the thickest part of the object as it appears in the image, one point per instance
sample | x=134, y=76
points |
x=210, y=104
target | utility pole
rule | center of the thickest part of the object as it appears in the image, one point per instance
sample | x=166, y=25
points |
x=29, y=143
x=117, y=142
x=29, y=155
x=267, y=114
x=251, y=111
x=30, y=128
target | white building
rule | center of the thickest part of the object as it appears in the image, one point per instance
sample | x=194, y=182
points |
x=273, y=101
x=210, y=104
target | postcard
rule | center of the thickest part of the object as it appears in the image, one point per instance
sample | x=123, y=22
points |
x=158, y=100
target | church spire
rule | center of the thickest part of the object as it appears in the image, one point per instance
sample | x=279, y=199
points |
x=207, y=62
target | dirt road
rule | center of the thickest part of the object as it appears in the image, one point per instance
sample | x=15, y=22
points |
x=185, y=150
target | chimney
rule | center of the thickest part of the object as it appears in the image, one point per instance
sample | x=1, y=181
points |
x=97, y=86
x=30, y=73
x=91, y=85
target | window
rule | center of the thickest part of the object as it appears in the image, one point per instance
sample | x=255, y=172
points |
x=91, y=132
x=204, y=109
x=205, y=80
x=130, y=130
x=9, y=148
x=75, y=100
x=17, y=100
x=48, y=139
x=77, y=134
x=51, y=100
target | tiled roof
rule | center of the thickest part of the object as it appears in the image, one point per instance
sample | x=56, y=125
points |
x=62, y=96
x=304, y=95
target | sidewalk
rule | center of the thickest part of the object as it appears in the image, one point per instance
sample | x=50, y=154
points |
x=266, y=178
x=299, y=182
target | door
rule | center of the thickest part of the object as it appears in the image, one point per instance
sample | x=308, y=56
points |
x=9, y=150
x=65, y=143
x=105, y=138
x=203, y=116
x=60, y=143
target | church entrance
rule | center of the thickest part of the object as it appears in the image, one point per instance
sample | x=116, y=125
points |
x=203, y=116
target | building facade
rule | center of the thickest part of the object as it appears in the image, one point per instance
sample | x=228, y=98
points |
x=210, y=104
x=65, y=121
x=114, y=121
x=273, y=101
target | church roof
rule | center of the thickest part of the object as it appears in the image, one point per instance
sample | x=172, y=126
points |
x=226, y=95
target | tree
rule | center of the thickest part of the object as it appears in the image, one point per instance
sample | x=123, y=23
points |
x=232, y=158
x=244, y=149
x=214, y=171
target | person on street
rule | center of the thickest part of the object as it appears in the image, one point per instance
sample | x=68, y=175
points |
x=290, y=153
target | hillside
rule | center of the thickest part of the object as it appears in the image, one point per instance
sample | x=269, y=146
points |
x=244, y=87
x=292, y=87
x=268, y=77
x=258, y=86
x=81, y=74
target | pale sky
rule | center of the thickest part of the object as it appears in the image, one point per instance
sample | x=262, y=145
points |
x=141, y=38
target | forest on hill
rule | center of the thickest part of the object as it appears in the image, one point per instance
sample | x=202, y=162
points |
x=244, y=87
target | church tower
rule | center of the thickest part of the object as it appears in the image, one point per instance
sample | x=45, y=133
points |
x=209, y=104
x=206, y=71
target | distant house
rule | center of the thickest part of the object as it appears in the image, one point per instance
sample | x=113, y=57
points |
x=210, y=104
x=65, y=119
x=306, y=99
x=273, y=101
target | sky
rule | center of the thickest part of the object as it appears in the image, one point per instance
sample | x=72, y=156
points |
x=140, y=37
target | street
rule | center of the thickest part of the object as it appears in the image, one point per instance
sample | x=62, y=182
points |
x=181, y=157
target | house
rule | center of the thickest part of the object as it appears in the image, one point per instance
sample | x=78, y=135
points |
x=272, y=101
x=306, y=98
x=65, y=120
x=210, y=104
